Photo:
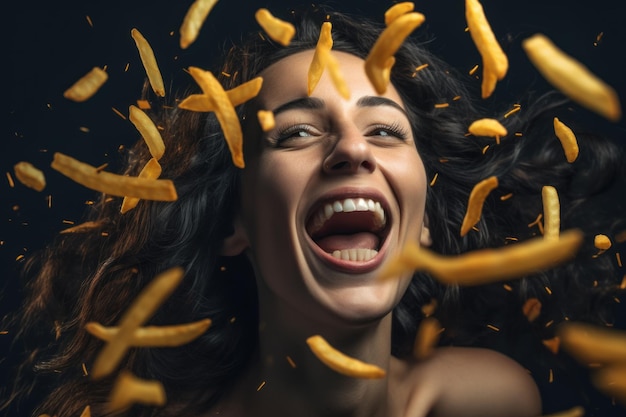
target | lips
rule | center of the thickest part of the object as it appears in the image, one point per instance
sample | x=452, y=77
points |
x=348, y=230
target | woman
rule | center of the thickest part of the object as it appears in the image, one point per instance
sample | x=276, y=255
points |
x=271, y=265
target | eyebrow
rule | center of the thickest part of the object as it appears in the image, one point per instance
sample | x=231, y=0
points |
x=313, y=103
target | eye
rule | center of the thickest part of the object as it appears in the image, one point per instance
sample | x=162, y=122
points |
x=392, y=131
x=293, y=133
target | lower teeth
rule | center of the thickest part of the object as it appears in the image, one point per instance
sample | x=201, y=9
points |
x=355, y=255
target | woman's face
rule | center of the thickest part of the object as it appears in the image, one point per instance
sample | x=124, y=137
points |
x=332, y=193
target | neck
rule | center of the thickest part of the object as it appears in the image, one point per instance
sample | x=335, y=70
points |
x=290, y=380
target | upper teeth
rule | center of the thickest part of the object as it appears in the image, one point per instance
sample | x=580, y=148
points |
x=346, y=206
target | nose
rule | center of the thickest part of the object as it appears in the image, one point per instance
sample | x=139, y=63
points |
x=350, y=153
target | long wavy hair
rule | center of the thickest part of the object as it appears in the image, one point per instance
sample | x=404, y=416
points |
x=94, y=275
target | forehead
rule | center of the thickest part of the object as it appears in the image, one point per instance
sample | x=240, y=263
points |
x=286, y=80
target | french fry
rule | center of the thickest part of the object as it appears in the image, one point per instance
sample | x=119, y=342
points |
x=141, y=309
x=224, y=110
x=129, y=390
x=531, y=309
x=318, y=63
x=591, y=344
x=426, y=338
x=153, y=336
x=149, y=63
x=86, y=412
x=572, y=78
x=577, y=411
x=193, y=21
x=339, y=362
x=277, y=29
x=113, y=184
x=148, y=130
x=551, y=212
x=30, y=176
x=475, y=204
x=612, y=381
x=87, y=85
x=378, y=62
x=83, y=227
x=552, y=344
x=238, y=95
x=486, y=266
x=567, y=138
x=398, y=10
x=152, y=171
x=602, y=242
x=487, y=127
x=266, y=120
x=495, y=61
x=336, y=76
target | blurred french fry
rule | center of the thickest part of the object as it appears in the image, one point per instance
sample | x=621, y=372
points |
x=266, y=120
x=129, y=390
x=30, y=176
x=141, y=309
x=318, y=63
x=339, y=362
x=86, y=412
x=193, y=21
x=591, y=344
x=612, y=381
x=113, y=184
x=152, y=170
x=572, y=78
x=602, y=242
x=149, y=63
x=426, y=338
x=532, y=309
x=397, y=10
x=237, y=95
x=377, y=63
x=476, y=201
x=154, y=336
x=87, y=85
x=567, y=138
x=277, y=29
x=148, y=130
x=83, y=227
x=572, y=412
x=487, y=265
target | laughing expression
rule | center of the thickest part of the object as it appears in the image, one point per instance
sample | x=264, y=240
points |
x=332, y=193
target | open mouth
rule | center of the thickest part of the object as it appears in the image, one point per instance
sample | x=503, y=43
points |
x=349, y=229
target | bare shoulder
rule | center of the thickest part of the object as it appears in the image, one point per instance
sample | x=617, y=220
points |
x=474, y=382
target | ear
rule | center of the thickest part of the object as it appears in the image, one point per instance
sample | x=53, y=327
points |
x=425, y=238
x=237, y=242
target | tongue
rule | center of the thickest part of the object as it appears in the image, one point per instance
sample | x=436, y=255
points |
x=362, y=240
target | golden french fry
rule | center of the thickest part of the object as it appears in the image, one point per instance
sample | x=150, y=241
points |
x=612, y=381
x=318, y=63
x=591, y=344
x=30, y=176
x=487, y=265
x=83, y=227
x=266, y=120
x=149, y=63
x=398, y=10
x=86, y=412
x=335, y=74
x=426, y=338
x=193, y=21
x=567, y=139
x=377, y=63
x=224, y=110
x=141, y=309
x=237, y=96
x=152, y=170
x=495, y=61
x=277, y=29
x=532, y=309
x=129, y=390
x=475, y=204
x=577, y=411
x=154, y=336
x=602, y=242
x=487, y=127
x=87, y=85
x=148, y=130
x=339, y=362
x=572, y=78
x=113, y=184
x=553, y=344
x=551, y=212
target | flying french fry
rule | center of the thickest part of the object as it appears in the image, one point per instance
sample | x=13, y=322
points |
x=335, y=74
x=83, y=227
x=532, y=309
x=277, y=29
x=149, y=63
x=141, y=309
x=380, y=59
x=612, y=381
x=129, y=390
x=602, y=242
x=318, y=63
x=87, y=85
x=572, y=412
x=567, y=138
x=266, y=120
x=572, y=78
x=113, y=184
x=148, y=130
x=193, y=21
x=426, y=338
x=487, y=127
x=30, y=176
x=487, y=265
x=476, y=201
x=591, y=344
x=237, y=95
x=340, y=362
x=397, y=10
x=152, y=170
x=551, y=212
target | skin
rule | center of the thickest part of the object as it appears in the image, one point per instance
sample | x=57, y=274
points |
x=344, y=148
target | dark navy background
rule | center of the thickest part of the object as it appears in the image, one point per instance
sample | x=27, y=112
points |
x=51, y=44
